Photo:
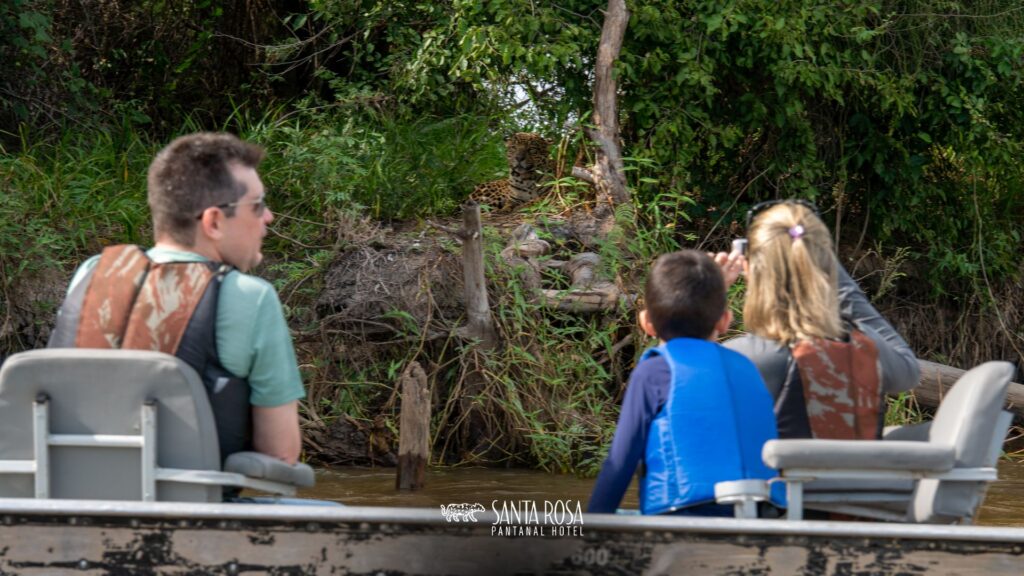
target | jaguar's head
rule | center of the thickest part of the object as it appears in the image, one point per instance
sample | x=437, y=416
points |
x=528, y=158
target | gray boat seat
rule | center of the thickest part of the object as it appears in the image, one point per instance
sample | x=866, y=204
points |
x=119, y=425
x=881, y=492
x=950, y=471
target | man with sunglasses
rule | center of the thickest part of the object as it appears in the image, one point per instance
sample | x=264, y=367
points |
x=190, y=294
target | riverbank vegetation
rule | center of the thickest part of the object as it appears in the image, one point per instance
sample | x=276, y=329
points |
x=903, y=121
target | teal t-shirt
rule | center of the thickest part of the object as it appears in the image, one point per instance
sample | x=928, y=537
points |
x=253, y=341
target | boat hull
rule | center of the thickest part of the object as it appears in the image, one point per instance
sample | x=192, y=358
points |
x=93, y=537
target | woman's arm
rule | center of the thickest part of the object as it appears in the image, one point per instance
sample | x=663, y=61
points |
x=900, y=370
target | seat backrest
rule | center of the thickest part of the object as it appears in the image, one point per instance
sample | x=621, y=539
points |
x=968, y=419
x=102, y=392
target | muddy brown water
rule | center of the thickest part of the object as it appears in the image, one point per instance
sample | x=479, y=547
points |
x=1003, y=506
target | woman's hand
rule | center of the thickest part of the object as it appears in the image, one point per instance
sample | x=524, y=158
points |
x=731, y=265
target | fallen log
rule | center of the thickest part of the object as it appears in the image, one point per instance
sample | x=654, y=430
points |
x=588, y=293
x=936, y=380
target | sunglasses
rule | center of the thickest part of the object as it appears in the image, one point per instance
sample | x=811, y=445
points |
x=762, y=206
x=259, y=205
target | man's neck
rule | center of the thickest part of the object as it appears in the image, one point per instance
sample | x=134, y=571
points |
x=198, y=248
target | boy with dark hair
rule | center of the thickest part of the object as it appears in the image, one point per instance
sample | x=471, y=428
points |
x=695, y=413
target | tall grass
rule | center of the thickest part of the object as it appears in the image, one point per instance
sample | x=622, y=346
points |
x=64, y=198
x=372, y=162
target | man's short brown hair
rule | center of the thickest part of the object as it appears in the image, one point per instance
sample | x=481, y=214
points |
x=191, y=174
x=685, y=295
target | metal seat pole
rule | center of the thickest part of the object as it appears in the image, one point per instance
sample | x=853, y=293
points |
x=149, y=451
x=795, y=499
x=41, y=444
x=746, y=509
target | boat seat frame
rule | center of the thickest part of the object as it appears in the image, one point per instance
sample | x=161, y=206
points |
x=145, y=442
x=129, y=425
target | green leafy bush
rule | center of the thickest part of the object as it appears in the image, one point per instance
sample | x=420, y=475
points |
x=903, y=120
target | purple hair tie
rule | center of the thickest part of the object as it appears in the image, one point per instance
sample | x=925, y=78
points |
x=796, y=232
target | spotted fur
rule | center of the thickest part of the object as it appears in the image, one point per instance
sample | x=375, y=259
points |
x=528, y=164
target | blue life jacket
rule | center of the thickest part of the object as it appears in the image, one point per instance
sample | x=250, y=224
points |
x=712, y=427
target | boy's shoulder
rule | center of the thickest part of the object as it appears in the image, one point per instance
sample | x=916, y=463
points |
x=738, y=363
x=653, y=366
x=729, y=357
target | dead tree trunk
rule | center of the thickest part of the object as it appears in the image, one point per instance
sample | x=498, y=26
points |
x=479, y=325
x=608, y=172
x=414, y=429
x=479, y=328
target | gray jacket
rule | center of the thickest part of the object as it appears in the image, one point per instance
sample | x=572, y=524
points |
x=899, y=367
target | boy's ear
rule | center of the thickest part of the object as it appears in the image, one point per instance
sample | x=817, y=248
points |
x=645, y=324
x=722, y=326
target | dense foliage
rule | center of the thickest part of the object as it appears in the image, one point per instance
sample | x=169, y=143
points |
x=903, y=120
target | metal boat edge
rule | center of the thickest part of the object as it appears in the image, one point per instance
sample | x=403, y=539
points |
x=107, y=537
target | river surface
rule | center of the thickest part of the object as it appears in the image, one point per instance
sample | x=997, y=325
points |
x=1003, y=506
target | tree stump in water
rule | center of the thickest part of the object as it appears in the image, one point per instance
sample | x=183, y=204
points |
x=414, y=429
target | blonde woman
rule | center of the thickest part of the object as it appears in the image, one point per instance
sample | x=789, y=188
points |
x=826, y=354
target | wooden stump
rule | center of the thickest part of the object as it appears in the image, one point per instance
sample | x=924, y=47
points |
x=414, y=429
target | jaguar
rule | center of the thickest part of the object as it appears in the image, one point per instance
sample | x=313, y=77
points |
x=528, y=164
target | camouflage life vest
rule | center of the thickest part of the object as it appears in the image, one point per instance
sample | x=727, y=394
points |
x=833, y=390
x=129, y=301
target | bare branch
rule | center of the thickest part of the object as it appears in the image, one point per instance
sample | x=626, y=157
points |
x=582, y=173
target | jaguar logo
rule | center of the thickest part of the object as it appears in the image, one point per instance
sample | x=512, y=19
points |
x=461, y=512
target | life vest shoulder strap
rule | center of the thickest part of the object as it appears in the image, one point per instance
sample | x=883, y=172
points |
x=110, y=296
x=165, y=304
x=132, y=302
